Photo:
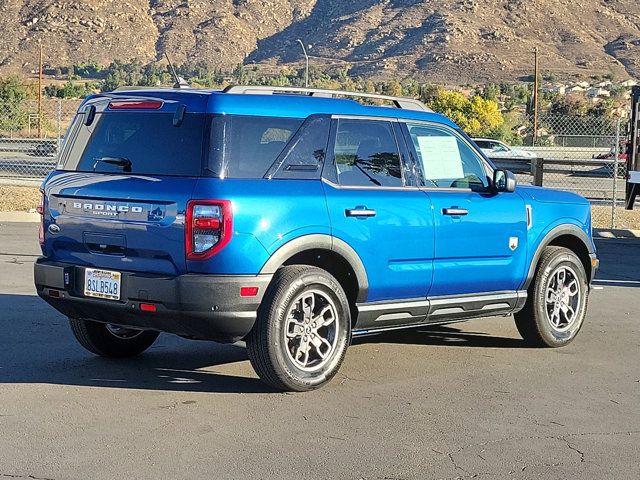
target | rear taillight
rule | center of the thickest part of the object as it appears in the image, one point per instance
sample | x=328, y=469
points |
x=208, y=227
x=40, y=210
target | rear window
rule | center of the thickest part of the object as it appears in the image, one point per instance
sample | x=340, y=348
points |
x=246, y=146
x=139, y=143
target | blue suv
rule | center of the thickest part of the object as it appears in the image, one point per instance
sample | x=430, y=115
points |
x=295, y=220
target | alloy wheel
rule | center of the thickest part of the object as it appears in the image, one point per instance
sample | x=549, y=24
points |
x=562, y=299
x=311, y=330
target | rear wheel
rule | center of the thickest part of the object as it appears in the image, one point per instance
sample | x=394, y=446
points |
x=303, y=329
x=111, y=340
x=557, y=301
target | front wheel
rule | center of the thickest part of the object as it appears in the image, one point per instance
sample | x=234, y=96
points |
x=303, y=329
x=110, y=340
x=557, y=302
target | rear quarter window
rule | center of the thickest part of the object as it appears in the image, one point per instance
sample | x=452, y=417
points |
x=246, y=146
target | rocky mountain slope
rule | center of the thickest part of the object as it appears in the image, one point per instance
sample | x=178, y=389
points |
x=451, y=41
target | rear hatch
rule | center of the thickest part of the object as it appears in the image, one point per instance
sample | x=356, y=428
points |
x=126, y=174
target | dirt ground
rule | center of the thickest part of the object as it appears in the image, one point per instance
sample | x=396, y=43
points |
x=21, y=199
x=625, y=219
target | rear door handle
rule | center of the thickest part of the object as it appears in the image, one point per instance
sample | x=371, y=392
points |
x=455, y=211
x=360, y=212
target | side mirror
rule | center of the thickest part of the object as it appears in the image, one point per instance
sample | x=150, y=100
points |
x=504, y=181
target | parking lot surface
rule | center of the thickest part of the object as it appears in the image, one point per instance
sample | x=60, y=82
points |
x=460, y=401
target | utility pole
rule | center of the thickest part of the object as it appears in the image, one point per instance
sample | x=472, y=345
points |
x=535, y=97
x=40, y=94
x=306, y=70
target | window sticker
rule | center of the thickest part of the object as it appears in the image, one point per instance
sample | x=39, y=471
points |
x=441, y=157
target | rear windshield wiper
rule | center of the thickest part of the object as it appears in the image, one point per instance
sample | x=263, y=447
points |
x=123, y=162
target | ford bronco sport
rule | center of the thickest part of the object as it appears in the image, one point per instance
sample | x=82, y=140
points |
x=294, y=220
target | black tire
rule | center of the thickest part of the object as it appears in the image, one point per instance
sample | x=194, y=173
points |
x=273, y=355
x=534, y=321
x=98, y=338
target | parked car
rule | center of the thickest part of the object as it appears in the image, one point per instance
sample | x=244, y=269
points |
x=611, y=155
x=497, y=149
x=296, y=220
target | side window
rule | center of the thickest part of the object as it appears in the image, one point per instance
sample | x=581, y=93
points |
x=304, y=156
x=246, y=146
x=446, y=160
x=366, y=154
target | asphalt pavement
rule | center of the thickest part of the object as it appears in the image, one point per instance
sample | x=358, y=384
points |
x=461, y=401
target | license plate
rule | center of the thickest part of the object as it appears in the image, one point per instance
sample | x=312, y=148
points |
x=102, y=284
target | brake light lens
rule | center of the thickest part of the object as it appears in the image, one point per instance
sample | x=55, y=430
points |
x=135, y=105
x=209, y=227
x=40, y=210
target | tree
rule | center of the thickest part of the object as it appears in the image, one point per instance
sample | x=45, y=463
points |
x=12, y=90
x=393, y=89
x=571, y=106
x=13, y=93
x=484, y=116
x=490, y=92
x=476, y=116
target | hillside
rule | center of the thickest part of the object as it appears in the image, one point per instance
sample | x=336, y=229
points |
x=446, y=41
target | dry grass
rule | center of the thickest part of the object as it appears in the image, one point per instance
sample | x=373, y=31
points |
x=18, y=199
x=625, y=219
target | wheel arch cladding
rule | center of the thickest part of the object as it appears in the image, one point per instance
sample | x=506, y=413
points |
x=330, y=254
x=567, y=236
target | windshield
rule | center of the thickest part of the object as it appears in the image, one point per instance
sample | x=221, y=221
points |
x=138, y=143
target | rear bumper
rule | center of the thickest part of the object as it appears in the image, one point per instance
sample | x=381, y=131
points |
x=207, y=307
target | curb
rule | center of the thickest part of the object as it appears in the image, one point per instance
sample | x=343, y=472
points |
x=615, y=233
x=19, y=217
x=16, y=182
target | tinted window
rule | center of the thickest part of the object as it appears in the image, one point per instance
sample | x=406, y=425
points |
x=483, y=143
x=366, y=154
x=304, y=156
x=149, y=141
x=446, y=160
x=246, y=146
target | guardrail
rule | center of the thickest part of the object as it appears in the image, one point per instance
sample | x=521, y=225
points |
x=46, y=147
x=523, y=166
x=599, y=180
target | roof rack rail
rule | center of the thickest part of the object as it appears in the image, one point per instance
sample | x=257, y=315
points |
x=125, y=88
x=182, y=85
x=398, y=102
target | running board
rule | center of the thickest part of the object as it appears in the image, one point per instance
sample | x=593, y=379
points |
x=381, y=316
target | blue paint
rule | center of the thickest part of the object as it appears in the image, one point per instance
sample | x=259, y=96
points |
x=409, y=249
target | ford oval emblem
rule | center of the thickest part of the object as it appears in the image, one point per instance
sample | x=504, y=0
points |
x=53, y=228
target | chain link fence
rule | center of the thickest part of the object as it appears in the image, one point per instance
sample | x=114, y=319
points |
x=31, y=135
x=583, y=154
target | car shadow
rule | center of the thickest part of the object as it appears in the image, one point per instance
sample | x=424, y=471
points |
x=441, y=335
x=37, y=346
x=619, y=262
